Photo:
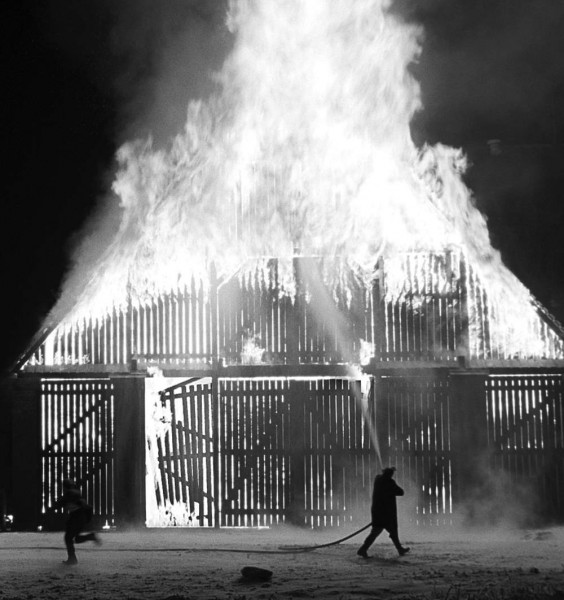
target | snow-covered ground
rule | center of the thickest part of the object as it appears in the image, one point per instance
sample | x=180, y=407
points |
x=204, y=564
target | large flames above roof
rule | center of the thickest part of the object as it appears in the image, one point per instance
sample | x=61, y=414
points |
x=305, y=149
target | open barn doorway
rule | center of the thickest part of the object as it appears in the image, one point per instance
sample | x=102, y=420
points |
x=252, y=452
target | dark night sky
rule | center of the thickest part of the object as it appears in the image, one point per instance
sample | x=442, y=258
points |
x=82, y=77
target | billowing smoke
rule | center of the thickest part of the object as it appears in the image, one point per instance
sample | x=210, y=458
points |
x=170, y=52
x=303, y=147
x=294, y=140
x=492, y=72
x=150, y=60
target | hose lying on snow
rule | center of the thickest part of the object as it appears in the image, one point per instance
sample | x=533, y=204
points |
x=308, y=548
x=281, y=549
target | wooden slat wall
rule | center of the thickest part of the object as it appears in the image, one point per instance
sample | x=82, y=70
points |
x=423, y=319
x=254, y=419
x=290, y=330
x=173, y=328
x=413, y=421
x=488, y=330
x=186, y=453
x=526, y=435
x=289, y=450
x=77, y=442
x=434, y=310
x=338, y=456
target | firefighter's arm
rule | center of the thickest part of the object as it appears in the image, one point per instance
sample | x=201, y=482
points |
x=397, y=490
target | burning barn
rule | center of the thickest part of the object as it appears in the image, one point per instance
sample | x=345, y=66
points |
x=295, y=296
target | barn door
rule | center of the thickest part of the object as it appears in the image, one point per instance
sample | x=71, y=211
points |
x=293, y=450
x=525, y=421
x=413, y=421
x=258, y=451
x=338, y=456
x=77, y=442
x=181, y=451
x=255, y=445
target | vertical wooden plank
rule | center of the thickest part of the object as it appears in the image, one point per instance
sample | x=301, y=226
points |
x=245, y=427
x=274, y=302
x=204, y=324
x=210, y=448
x=275, y=415
x=197, y=444
x=181, y=324
x=408, y=309
x=200, y=450
x=183, y=432
x=122, y=356
x=111, y=446
x=254, y=471
x=231, y=425
x=226, y=435
x=175, y=458
x=164, y=326
x=194, y=325
x=58, y=389
x=103, y=321
x=160, y=330
x=141, y=328
x=190, y=320
x=152, y=327
x=95, y=448
x=298, y=399
x=92, y=333
x=267, y=445
x=146, y=329
x=262, y=449
x=97, y=393
x=128, y=468
x=222, y=320
x=107, y=446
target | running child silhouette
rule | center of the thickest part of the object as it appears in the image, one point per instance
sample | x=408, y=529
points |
x=79, y=514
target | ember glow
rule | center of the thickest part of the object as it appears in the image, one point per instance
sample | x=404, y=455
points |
x=306, y=150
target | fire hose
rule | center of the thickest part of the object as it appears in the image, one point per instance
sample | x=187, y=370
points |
x=334, y=543
x=280, y=550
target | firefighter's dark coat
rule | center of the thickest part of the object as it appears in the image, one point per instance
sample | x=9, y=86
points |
x=384, y=508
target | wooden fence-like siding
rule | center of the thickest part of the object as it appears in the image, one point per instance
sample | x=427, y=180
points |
x=255, y=441
x=174, y=328
x=339, y=459
x=261, y=451
x=77, y=442
x=294, y=451
x=255, y=316
x=526, y=436
x=489, y=332
x=310, y=327
x=304, y=451
x=421, y=307
x=186, y=453
x=413, y=420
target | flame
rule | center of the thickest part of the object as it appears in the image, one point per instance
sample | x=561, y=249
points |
x=304, y=149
